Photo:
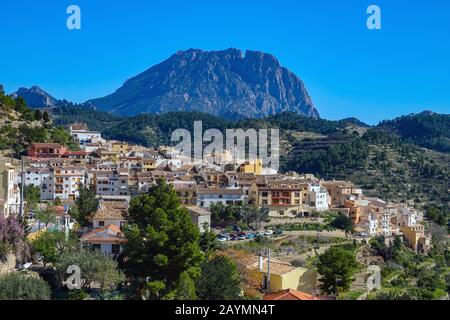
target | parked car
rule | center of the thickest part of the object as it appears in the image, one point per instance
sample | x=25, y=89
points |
x=268, y=232
x=250, y=236
x=241, y=237
x=225, y=236
x=279, y=232
x=222, y=239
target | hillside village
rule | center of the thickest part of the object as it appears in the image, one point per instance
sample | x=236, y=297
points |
x=290, y=207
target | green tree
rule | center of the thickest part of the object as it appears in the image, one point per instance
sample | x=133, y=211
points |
x=57, y=201
x=21, y=286
x=95, y=268
x=47, y=215
x=32, y=196
x=208, y=241
x=51, y=244
x=46, y=117
x=86, y=205
x=337, y=267
x=38, y=115
x=342, y=222
x=437, y=215
x=219, y=280
x=162, y=243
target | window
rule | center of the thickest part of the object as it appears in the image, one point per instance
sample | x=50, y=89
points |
x=115, y=248
x=101, y=223
x=96, y=247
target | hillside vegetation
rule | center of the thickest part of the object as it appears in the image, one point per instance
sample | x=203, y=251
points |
x=20, y=126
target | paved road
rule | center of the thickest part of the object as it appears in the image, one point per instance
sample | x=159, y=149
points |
x=326, y=234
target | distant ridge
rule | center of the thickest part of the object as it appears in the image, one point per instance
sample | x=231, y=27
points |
x=223, y=83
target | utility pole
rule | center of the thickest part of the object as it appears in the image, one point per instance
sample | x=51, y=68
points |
x=268, y=271
x=22, y=182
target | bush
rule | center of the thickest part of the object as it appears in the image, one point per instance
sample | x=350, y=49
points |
x=21, y=286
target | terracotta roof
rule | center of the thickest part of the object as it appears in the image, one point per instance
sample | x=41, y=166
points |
x=276, y=267
x=109, y=234
x=289, y=294
x=111, y=211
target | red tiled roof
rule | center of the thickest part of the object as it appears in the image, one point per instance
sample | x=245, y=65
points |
x=290, y=294
x=109, y=234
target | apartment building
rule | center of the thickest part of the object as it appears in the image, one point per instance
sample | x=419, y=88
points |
x=340, y=190
x=207, y=196
x=289, y=198
x=65, y=182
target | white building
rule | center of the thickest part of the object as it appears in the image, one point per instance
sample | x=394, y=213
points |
x=206, y=197
x=9, y=188
x=112, y=183
x=66, y=182
x=84, y=136
x=317, y=197
x=35, y=176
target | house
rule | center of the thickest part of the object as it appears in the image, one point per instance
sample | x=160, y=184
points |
x=206, y=197
x=186, y=192
x=199, y=217
x=35, y=176
x=110, y=213
x=340, y=190
x=254, y=167
x=83, y=135
x=46, y=150
x=317, y=198
x=283, y=275
x=293, y=295
x=289, y=294
x=108, y=239
x=120, y=148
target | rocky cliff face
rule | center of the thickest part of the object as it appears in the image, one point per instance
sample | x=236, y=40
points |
x=223, y=83
x=35, y=97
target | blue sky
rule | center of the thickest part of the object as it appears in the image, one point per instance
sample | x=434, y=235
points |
x=348, y=69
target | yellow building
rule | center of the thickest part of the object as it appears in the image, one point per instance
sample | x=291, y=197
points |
x=282, y=275
x=121, y=148
x=148, y=165
x=255, y=167
x=415, y=237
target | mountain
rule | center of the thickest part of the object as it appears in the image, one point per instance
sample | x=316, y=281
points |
x=223, y=83
x=354, y=121
x=35, y=97
x=426, y=129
